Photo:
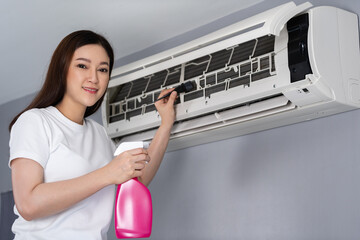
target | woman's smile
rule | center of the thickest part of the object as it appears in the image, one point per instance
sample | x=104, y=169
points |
x=90, y=90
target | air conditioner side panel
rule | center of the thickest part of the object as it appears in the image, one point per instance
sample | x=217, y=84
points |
x=350, y=59
x=334, y=51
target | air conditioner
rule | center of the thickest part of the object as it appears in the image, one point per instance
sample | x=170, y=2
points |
x=286, y=65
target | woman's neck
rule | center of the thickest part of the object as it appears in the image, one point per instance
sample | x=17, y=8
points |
x=72, y=111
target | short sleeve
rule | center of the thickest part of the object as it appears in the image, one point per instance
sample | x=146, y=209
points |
x=29, y=138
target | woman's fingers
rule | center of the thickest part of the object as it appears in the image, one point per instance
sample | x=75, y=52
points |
x=136, y=151
x=139, y=154
x=139, y=166
x=129, y=164
x=165, y=107
x=165, y=91
x=172, y=98
x=166, y=96
x=141, y=157
x=136, y=155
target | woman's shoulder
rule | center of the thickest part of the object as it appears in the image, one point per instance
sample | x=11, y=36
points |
x=32, y=122
x=33, y=118
x=33, y=114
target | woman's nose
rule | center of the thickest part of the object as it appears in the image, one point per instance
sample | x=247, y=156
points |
x=94, y=76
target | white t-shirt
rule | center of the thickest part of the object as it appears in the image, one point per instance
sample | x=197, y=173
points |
x=65, y=150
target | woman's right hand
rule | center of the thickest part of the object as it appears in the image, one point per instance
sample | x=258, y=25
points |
x=127, y=165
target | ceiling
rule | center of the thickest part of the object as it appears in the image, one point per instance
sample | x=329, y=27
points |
x=31, y=30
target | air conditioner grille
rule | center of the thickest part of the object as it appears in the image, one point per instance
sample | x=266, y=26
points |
x=235, y=66
x=157, y=80
x=173, y=76
x=249, y=110
x=240, y=81
x=220, y=59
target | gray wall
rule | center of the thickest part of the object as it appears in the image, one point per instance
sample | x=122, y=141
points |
x=7, y=112
x=295, y=182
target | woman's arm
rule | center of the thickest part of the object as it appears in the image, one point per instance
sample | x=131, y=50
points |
x=160, y=141
x=36, y=199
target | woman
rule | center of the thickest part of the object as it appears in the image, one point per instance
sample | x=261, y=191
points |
x=63, y=170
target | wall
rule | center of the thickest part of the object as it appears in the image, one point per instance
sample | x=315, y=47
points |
x=7, y=112
x=295, y=182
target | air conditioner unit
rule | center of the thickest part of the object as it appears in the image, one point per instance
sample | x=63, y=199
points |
x=286, y=65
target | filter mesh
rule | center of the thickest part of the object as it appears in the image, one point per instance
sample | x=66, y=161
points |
x=232, y=67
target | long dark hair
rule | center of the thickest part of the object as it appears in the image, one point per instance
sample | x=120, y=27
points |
x=53, y=90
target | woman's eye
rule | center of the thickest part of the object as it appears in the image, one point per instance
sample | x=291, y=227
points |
x=104, y=70
x=81, y=66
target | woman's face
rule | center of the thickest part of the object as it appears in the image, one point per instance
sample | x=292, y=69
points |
x=88, y=76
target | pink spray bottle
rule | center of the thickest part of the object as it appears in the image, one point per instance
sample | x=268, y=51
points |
x=133, y=206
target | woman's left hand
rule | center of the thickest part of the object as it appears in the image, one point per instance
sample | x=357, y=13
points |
x=165, y=107
x=157, y=148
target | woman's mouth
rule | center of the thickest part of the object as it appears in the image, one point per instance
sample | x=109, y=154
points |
x=90, y=90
